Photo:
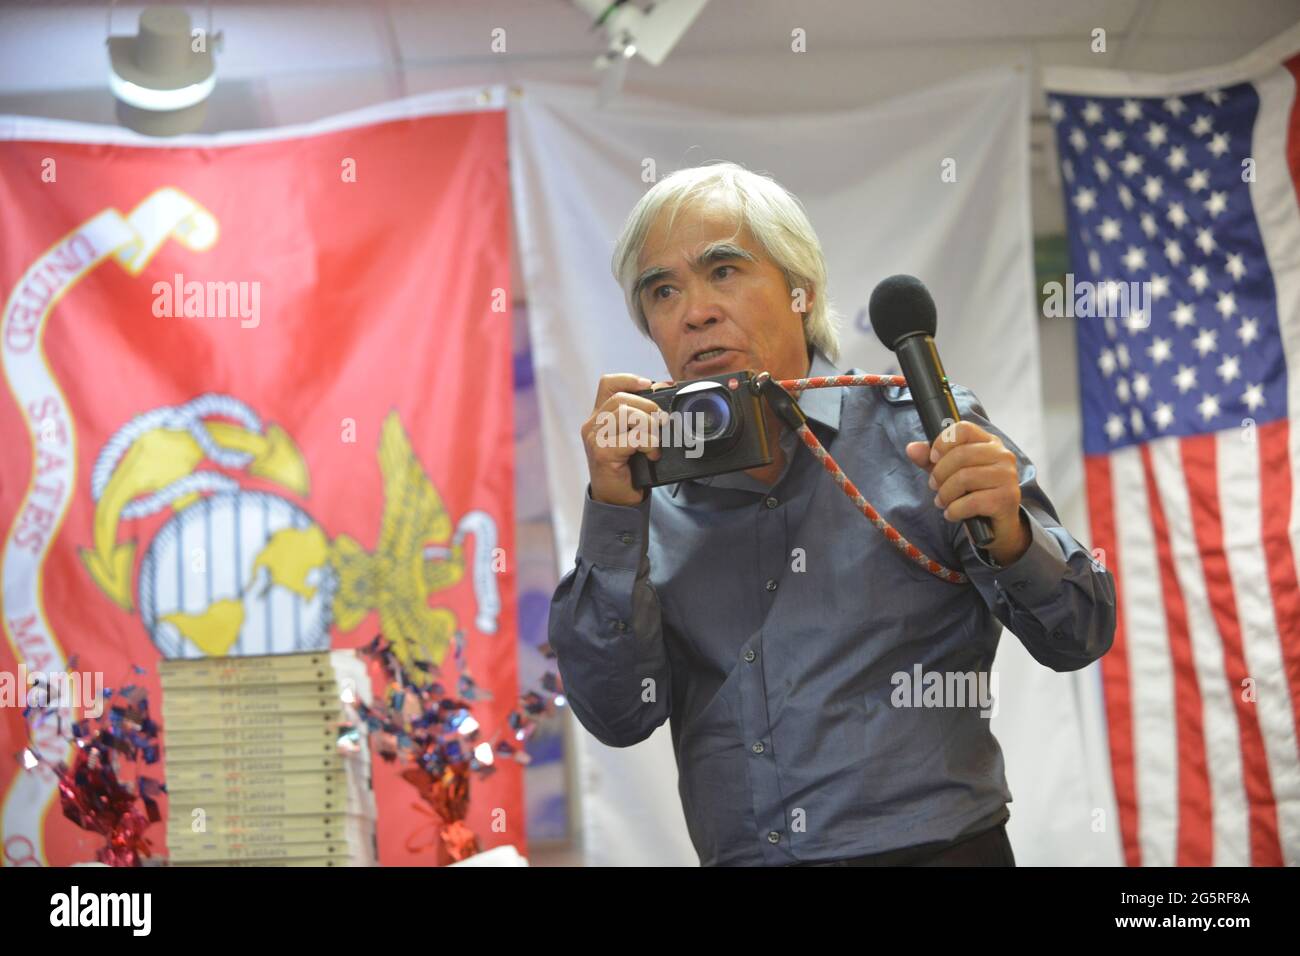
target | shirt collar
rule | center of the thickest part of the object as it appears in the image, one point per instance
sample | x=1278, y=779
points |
x=821, y=405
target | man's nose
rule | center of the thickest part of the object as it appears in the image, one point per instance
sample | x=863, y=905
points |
x=701, y=310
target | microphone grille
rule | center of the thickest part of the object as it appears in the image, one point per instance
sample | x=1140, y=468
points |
x=901, y=305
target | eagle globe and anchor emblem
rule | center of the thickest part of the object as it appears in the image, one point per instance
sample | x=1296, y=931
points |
x=238, y=571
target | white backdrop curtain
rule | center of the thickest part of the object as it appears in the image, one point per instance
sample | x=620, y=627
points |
x=874, y=184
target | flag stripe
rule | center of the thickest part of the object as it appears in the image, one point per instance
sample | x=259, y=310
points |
x=1195, y=806
x=1154, y=734
x=1246, y=546
x=1115, y=664
x=1278, y=515
x=1245, y=774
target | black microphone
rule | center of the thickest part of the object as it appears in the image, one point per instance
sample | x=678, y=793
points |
x=904, y=317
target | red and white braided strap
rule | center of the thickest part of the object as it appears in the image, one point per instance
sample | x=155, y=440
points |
x=909, y=550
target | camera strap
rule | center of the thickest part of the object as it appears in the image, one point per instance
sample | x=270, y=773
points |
x=779, y=395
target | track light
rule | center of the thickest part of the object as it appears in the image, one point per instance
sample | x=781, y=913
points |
x=162, y=77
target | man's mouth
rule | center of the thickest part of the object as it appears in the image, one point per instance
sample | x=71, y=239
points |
x=707, y=356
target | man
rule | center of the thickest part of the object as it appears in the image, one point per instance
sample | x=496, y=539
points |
x=761, y=613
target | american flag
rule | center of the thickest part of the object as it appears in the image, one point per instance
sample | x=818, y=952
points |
x=1190, y=454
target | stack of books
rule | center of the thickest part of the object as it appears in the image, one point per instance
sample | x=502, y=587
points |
x=255, y=775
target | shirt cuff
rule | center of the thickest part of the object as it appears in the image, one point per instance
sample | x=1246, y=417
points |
x=614, y=536
x=1034, y=576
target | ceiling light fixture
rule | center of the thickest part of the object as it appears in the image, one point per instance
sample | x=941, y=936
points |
x=162, y=77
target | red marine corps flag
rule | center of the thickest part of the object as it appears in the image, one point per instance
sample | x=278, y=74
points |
x=257, y=400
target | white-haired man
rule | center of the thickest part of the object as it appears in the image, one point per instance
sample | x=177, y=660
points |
x=761, y=614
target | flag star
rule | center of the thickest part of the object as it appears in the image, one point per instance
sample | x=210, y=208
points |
x=1113, y=139
x=1216, y=204
x=1173, y=252
x=1125, y=196
x=1135, y=258
x=1121, y=390
x=1115, y=427
x=1229, y=368
x=1121, y=353
x=1109, y=230
x=1055, y=110
x=1078, y=140
x=1107, y=362
x=1202, y=125
x=1091, y=113
x=1156, y=135
x=1208, y=406
x=1094, y=261
x=1159, y=350
x=1067, y=167
x=1135, y=420
x=1159, y=287
x=1227, y=304
x=1177, y=158
x=1215, y=96
x=1205, y=241
x=1253, y=396
x=1101, y=168
x=1198, y=180
x=1236, y=267
x=1141, y=386
x=1177, y=215
x=1249, y=331
x=1131, y=111
x=1137, y=320
x=1185, y=379
x=1204, y=342
x=1154, y=188
x=1085, y=200
x=1131, y=164
x=1218, y=145
x=1164, y=415
x=1184, y=314
x=1109, y=324
x=1175, y=106
x=1199, y=278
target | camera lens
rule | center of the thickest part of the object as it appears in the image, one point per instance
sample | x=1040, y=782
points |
x=710, y=410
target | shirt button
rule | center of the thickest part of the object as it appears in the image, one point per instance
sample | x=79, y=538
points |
x=625, y=538
x=749, y=656
x=771, y=585
x=758, y=747
x=773, y=836
x=620, y=625
x=771, y=502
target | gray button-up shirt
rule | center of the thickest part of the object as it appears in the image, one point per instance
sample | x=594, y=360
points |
x=827, y=696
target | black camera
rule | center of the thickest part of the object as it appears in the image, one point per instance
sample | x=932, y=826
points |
x=713, y=425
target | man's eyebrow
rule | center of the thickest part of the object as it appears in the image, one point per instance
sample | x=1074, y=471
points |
x=723, y=249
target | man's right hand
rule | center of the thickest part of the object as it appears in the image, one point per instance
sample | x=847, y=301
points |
x=636, y=429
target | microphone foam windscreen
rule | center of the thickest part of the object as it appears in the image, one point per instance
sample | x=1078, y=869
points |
x=901, y=305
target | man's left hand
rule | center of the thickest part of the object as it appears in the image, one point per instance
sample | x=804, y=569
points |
x=973, y=473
